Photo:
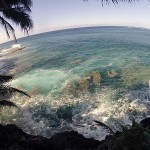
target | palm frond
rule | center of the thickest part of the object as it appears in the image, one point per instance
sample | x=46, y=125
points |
x=26, y=4
x=18, y=12
x=5, y=78
x=116, y=1
x=6, y=91
x=8, y=28
x=19, y=17
x=19, y=91
x=4, y=103
x=105, y=126
x=19, y=2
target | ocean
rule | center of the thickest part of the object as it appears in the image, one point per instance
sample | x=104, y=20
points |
x=76, y=76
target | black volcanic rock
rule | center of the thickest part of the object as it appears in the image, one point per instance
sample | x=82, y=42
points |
x=13, y=138
x=73, y=140
x=145, y=123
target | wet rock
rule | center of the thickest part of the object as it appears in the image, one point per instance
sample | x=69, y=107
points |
x=112, y=74
x=13, y=138
x=83, y=84
x=73, y=140
x=96, y=77
x=33, y=143
x=70, y=89
x=91, y=79
x=145, y=123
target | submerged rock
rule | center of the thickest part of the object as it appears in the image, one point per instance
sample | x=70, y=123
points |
x=70, y=89
x=83, y=84
x=91, y=79
x=112, y=73
x=96, y=77
x=77, y=61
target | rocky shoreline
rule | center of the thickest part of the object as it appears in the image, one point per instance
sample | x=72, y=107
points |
x=13, y=138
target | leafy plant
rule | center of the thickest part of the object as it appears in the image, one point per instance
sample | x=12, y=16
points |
x=18, y=12
x=6, y=91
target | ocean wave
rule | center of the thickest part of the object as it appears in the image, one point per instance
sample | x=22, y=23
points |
x=47, y=115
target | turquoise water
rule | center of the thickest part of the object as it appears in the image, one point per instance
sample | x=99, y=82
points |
x=79, y=75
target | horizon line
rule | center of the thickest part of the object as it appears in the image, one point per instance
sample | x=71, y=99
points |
x=78, y=27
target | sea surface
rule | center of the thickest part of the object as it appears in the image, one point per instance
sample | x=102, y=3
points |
x=76, y=76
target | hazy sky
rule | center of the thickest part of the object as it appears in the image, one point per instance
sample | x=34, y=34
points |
x=57, y=14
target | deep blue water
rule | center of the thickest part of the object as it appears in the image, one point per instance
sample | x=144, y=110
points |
x=77, y=75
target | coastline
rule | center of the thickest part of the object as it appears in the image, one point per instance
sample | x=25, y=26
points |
x=12, y=137
x=76, y=63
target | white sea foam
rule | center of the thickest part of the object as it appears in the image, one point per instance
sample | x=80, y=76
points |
x=47, y=65
x=43, y=79
x=46, y=115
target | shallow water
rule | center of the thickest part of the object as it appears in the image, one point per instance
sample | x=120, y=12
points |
x=79, y=75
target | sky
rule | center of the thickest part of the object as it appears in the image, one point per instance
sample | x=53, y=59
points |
x=51, y=15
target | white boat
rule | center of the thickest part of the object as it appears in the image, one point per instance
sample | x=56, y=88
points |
x=12, y=49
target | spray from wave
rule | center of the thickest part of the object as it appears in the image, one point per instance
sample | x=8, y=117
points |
x=47, y=115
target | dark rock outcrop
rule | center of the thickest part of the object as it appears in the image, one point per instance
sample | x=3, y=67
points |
x=112, y=74
x=13, y=138
x=145, y=123
x=73, y=140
